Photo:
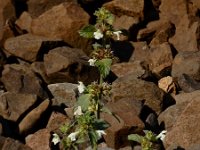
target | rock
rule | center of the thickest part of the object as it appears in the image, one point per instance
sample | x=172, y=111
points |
x=124, y=109
x=133, y=8
x=65, y=64
x=56, y=120
x=169, y=116
x=122, y=69
x=186, y=63
x=13, y=106
x=185, y=131
x=3, y=59
x=33, y=117
x=8, y=144
x=160, y=59
x=187, y=35
x=167, y=84
x=130, y=87
x=40, y=140
x=63, y=93
x=141, y=52
x=27, y=46
x=37, y=7
x=151, y=123
x=7, y=11
x=21, y=79
x=62, y=21
x=187, y=84
x=156, y=32
x=173, y=10
x=24, y=22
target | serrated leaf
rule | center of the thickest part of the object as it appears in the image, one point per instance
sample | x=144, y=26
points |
x=93, y=138
x=101, y=124
x=135, y=137
x=104, y=66
x=84, y=101
x=87, y=31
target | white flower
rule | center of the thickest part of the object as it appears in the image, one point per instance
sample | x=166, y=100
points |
x=56, y=139
x=73, y=135
x=100, y=133
x=81, y=87
x=98, y=35
x=92, y=61
x=78, y=111
x=117, y=33
x=162, y=135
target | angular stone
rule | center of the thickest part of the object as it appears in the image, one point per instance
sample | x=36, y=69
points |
x=56, y=120
x=39, y=140
x=132, y=8
x=21, y=79
x=8, y=144
x=141, y=52
x=122, y=69
x=27, y=46
x=7, y=11
x=37, y=7
x=186, y=63
x=130, y=87
x=124, y=109
x=13, y=106
x=187, y=35
x=160, y=58
x=63, y=93
x=64, y=64
x=24, y=22
x=32, y=118
x=185, y=131
x=173, y=10
x=62, y=21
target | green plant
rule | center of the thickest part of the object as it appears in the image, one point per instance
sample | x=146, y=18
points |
x=87, y=126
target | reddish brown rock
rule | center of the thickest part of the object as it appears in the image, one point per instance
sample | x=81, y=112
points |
x=129, y=87
x=122, y=69
x=18, y=78
x=62, y=21
x=185, y=131
x=63, y=93
x=160, y=58
x=32, y=118
x=27, y=46
x=116, y=134
x=39, y=140
x=187, y=63
x=13, y=106
x=37, y=7
x=24, y=22
x=187, y=36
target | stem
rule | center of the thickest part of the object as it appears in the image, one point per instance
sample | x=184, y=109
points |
x=101, y=79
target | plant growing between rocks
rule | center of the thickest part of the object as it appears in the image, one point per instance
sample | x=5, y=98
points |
x=86, y=125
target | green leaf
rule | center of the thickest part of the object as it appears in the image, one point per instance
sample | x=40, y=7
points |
x=100, y=124
x=84, y=101
x=135, y=137
x=93, y=138
x=87, y=31
x=104, y=66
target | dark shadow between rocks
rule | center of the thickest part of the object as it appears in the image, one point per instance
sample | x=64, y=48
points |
x=123, y=50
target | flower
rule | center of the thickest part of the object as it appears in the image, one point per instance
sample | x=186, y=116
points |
x=73, y=135
x=98, y=35
x=81, y=87
x=162, y=135
x=92, y=61
x=56, y=139
x=117, y=33
x=100, y=133
x=78, y=111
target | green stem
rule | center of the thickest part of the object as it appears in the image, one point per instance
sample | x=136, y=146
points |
x=101, y=79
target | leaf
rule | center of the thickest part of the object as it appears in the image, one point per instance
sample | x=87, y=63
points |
x=106, y=110
x=87, y=31
x=84, y=101
x=100, y=124
x=104, y=66
x=93, y=138
x=135, y=137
